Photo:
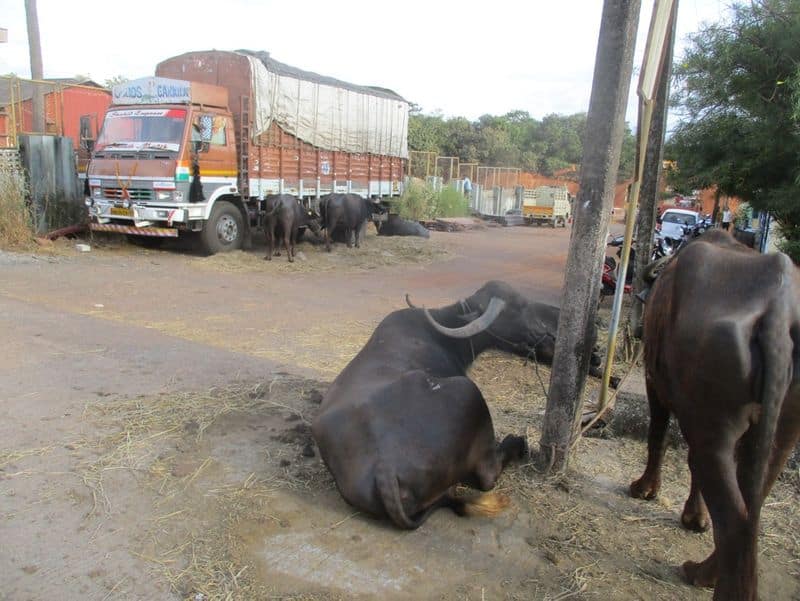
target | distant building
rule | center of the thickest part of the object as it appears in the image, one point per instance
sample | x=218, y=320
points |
x=66, y=100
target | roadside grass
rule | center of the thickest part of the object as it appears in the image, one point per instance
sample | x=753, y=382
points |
x=420, y=201
x=16, y=221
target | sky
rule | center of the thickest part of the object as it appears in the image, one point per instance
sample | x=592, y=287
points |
x=460, y=59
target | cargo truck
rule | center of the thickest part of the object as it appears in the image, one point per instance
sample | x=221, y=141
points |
x=551, y=205
x=195, y=149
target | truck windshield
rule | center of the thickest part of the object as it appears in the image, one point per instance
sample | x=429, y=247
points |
x=142, y=129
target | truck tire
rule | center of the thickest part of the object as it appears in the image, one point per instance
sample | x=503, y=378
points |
x=224, y=230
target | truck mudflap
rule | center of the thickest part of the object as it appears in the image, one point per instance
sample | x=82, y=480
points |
x=158, y=232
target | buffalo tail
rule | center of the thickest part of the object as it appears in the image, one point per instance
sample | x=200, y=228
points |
x=489, y=504
x=389, y=490
x=776, y=347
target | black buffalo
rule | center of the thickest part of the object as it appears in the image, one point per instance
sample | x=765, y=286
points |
x=722, y=352
x=402, y=424
x=284, y=217
x=396, y=226
x=350, y=211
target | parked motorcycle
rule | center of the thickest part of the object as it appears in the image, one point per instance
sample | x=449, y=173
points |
x=609, y=275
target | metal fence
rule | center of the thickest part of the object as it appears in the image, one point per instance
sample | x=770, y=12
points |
x=495, y=201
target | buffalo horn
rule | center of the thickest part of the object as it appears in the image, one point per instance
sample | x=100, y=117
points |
x=409, y=303
x=475, y=327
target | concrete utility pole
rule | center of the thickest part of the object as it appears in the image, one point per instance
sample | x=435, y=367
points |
x=604, y=129
x=37, y=70
x=652, y=173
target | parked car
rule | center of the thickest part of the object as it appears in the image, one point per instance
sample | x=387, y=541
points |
x=673, y=222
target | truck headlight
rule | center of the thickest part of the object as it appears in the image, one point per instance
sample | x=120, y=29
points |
x=178, y=196
x=164, y=195
x=97, y=192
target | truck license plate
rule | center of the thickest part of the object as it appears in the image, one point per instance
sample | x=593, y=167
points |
x=121, y=212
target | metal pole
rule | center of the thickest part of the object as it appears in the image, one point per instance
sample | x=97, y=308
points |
x=646, y=220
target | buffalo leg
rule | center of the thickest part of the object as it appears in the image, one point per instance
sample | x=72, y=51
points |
x=270, y=236
x=513, y=448
x=286, y=243
x=358, y=233
x=712, y=445
x=648, y=485
x=348, y=236
x=293, y=240
x=695, y=513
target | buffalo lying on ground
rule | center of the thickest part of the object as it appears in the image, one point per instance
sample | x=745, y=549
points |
x=722, y=352
x=402, y=424
x=284, y=217
x=350, y=211
x=396, y=226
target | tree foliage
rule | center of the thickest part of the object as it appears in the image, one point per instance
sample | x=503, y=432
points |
x=512, y=140
x=738, y=89
x=117, y=79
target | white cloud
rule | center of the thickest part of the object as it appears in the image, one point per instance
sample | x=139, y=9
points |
x=465, y=59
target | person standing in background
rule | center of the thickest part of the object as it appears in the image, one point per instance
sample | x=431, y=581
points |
x=727, y=216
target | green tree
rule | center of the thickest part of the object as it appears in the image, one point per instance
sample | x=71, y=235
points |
x=511, y=140
x=737, y=86
x=111, y=82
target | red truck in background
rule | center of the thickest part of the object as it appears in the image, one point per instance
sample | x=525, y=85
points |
x=196, y=148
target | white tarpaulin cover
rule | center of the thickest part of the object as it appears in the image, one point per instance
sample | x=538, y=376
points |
x=330, y=116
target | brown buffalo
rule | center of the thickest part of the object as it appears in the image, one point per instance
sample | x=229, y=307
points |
x=722, y=352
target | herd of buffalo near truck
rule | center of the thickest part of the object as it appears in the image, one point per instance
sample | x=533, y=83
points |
x=286, y=218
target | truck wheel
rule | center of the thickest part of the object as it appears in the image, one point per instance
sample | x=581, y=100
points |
x=224, y=229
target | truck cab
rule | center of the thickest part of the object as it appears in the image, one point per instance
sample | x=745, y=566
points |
x=158, y=137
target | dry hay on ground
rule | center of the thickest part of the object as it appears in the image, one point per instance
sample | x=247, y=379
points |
x=375, y=252
x=192, y=537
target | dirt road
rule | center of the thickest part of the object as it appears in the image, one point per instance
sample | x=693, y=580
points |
x=154, y=443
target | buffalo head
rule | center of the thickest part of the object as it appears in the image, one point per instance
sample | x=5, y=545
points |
x=506, y=319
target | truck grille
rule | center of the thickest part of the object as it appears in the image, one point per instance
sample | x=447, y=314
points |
x=133, y=193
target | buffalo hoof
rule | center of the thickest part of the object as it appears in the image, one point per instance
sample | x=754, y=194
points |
x=613, y=382
x=697, y=521
x=644, y=488
x=701, y=574
x=268, y=258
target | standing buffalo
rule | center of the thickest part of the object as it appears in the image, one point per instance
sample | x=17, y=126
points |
x=722, y=352
x=350, y=211
x=402, y=424
x=285, y=215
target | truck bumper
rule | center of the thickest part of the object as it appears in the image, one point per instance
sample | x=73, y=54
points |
x=157, y=232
